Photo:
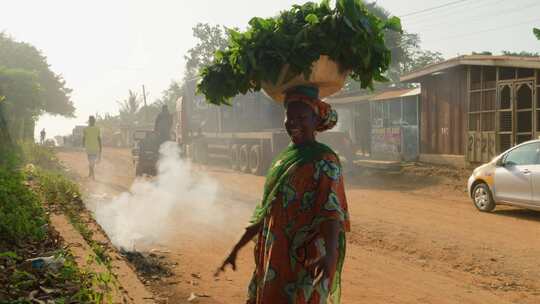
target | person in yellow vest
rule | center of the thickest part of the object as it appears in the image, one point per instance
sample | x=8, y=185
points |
x=92, y=145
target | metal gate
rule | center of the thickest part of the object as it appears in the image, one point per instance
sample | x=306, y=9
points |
x=516, y=114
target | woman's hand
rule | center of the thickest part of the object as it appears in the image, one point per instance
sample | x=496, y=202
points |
x=230, y=260
x=324, y=268
x=248, y=235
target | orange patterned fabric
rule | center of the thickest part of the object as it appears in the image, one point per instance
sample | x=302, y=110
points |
x=290, y=242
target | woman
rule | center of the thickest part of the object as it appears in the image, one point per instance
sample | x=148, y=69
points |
x=301, y=223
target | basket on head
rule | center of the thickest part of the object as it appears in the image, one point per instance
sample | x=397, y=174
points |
x=326, y=75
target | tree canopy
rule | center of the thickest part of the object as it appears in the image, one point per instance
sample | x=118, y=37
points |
x=210, y=38
x=54, y=96
x=28, y=88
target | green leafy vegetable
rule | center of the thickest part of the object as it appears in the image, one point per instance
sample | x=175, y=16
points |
x=349, y=34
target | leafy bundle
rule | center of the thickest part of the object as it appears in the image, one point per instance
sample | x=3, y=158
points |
x=349, y=34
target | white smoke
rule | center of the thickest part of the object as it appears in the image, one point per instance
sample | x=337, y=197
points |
x=145, y=214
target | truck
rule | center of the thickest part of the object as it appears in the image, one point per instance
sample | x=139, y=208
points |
x=246, y=135
x=77, y=136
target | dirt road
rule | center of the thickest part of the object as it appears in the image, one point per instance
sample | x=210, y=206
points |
x=413, y=240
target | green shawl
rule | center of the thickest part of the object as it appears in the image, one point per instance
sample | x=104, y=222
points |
x=281, y=168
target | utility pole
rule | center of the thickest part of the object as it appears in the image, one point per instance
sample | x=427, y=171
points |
x=145, y=108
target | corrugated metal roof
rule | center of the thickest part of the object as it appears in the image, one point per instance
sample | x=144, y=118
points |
x=396, y=94
x=336, y=100
x=481, y=60
x=381, y=97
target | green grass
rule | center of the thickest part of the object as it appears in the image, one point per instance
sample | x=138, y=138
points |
x=30, y=174
x=58, y=190
x=22, y=217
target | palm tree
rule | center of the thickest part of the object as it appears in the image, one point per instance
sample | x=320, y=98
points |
x=129, y=108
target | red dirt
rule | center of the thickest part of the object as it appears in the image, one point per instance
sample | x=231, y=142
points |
x=414, y=239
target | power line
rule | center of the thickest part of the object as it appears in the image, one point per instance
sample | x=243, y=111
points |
x=495, y=14
x=433, y=8
x=453, y=11
x=492, y=29
x=472, y=34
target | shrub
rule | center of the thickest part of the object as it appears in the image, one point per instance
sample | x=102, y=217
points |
x=21, y=214
x=55, y=187
x=38, y=155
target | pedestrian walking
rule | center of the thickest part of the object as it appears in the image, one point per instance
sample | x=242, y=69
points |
x=301, y=222
x=92, y=145
x=42, y=136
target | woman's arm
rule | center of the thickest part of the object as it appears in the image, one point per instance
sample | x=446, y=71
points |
x=330, y=232
x=248, y=235
x=326, y=266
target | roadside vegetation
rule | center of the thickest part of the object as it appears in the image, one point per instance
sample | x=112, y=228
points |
x=35, y=265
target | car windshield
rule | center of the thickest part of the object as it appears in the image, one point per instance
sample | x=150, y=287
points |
x=524, y=155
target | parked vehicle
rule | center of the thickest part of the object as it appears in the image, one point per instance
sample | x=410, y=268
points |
x=246, y=135
x=77, y=136
x=512, y=178
x=145, y=152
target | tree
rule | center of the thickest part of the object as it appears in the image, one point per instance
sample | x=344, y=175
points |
x=21, y=105
x=407, y=55
x=54, y=95
x=170, y=95
x=210, y=39
x=129, y=108
x=421, y=58
x=520, y=54
x=536, y=32
x=5, y=137
x=29, y=88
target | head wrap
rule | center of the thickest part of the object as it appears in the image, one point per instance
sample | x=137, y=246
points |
x=310, y=96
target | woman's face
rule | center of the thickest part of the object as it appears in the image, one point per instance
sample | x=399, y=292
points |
x=300, y=122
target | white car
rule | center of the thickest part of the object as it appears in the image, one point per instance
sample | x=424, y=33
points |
x=512, y=178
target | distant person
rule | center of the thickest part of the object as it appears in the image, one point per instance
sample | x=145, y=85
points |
x=92, y=144
x=42, y=135
x=163, y=125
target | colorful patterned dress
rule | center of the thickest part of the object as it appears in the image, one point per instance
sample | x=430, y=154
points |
x=290, y=242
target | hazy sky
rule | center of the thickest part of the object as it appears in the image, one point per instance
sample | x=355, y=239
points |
x=104, y=48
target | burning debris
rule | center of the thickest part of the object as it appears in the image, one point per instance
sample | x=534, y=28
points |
x=148, y=265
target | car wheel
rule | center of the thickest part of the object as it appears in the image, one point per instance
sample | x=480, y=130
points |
x=482, y=198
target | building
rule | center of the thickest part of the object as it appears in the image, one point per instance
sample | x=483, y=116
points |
x=382, y=126
x=475, y=107
x=394, y=125
x=354, y=117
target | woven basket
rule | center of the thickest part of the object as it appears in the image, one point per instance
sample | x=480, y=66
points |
x=326, y=75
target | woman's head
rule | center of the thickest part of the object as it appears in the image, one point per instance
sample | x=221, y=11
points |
x=300, y=122
x=306, y=114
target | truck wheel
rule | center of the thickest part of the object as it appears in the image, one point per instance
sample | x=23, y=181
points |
x=234, y=152
x=243, y=158
x=255, y=161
